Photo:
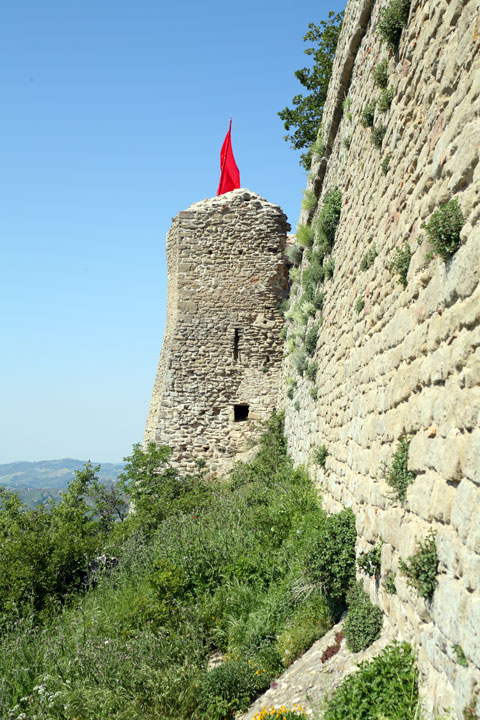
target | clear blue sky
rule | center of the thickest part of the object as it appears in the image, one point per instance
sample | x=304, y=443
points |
x=113, y=115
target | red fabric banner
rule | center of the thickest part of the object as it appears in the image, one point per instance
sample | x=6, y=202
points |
x=229, y=172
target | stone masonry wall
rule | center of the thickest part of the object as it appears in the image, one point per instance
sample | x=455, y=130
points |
x=222, y=346
x=410, y=359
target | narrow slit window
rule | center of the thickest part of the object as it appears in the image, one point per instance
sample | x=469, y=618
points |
x=240, y=413
x=236, y=340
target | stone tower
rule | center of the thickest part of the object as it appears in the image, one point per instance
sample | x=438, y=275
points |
x=221, y=358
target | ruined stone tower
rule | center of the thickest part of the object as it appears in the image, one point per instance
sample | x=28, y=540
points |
x=220, y=362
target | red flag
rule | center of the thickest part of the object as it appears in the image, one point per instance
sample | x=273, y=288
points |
x=230, y=174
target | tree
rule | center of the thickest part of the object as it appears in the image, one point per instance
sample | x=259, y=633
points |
x=306, y=115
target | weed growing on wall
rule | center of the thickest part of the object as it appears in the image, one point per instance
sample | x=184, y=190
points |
x=368, y=259
x=400, y=264
x=421, y=568
x=364, y=620
x=346, y=142
x=294, y=254
x=314, y=393
x=398, y=476
x=359, y=305
x=311, y=371
x=392, y=19
x=309, y=200
x=320, y=456
x=329, y=217
x=329, y=268
x=368, y=114
x=386, y=687
x=386, y=163
x=370, y=562
x=305, y=235
x=311, y=340
x=380, y=74
x=385, y=100
x=389, y=583
x=377, y=135
x=443, y=229
x=460, y=655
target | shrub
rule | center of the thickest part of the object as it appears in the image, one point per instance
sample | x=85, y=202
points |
x=386, y=163
x=320, y=456
x=378, y=133
x=311, y=340
x=294, y=254
x=328, y=268
x=308, y=623
x=300, y=361
x=368, y=259
x=443, y=229
x=370, y=562
x=368, y=115
x=398, y=476
x=311, y=371
x=230, y=686
x=305, y=235
x=380, y=74
x=331, y=558
x=461, y=659
x=401, y=263
x=385, y=100
x=364, y=620
x=389, y=583
x=421, y=568
x=314, y=393
x=359, y=305
x=318, y=148
x=386, y=687
x=329, y=217
x=309, y=200
x=318, y=301
x=391, y=22
x=294, y=275
x=347, y=142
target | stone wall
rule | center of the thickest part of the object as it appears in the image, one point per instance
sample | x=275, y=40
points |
x=222, y=347
x=410, y=359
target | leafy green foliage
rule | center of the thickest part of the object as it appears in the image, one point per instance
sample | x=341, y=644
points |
x=368, y=114
x=368, y=259
x=306, y=114
x=359, y=305
x=398, y=476
x=401, y=263
x=311, y=371
x=386, y=687
x=314, y=393
x=377, y=135
x=300, y=361
x=294, y=254
x=421, y=568
x=310, y=621
x=311, y=340
x=309, y=200
x=320, y=456
x=331, y=559
x=329, y=217
x=380, y=74
x=318, y=300
x=370, y=562
x=385, y=100
x=364, y=620
x=386, y=163
x=230, y=686
x=461, y=659
x=389, y=583
x=346, y=142
x=392, y=19
x=305, y=235
x=443, y=229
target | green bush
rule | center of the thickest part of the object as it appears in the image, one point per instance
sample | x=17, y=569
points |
x=380, y=74
x=392, y=19
x=385, y=100
x=370, y=562
x=329, y=218
x=311, y=340
x=421, y=568
x=443, y=229
x=318, y=300
x=389, y=583
x=311, y=371
x=300, y=361
x=368, y=259
x=386, y=163
x=294, y=254
x=305, y=235
x=309, y=200
x=320, y=456
x=359, y=305
x=398, y=476
x=368, y=114
x=309, y=622
x=386, y=687
x=230, y=686
x=329, y=268
x=363, y=623
x=401, y=263
x=377, y=135
x=331, y=558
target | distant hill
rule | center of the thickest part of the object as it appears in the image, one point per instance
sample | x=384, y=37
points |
x=36, y=482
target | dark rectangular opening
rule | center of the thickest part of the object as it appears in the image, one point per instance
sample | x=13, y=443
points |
x=240, y=413
x=236, y=340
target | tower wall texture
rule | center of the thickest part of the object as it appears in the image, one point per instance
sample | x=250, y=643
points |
x=222, y=350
